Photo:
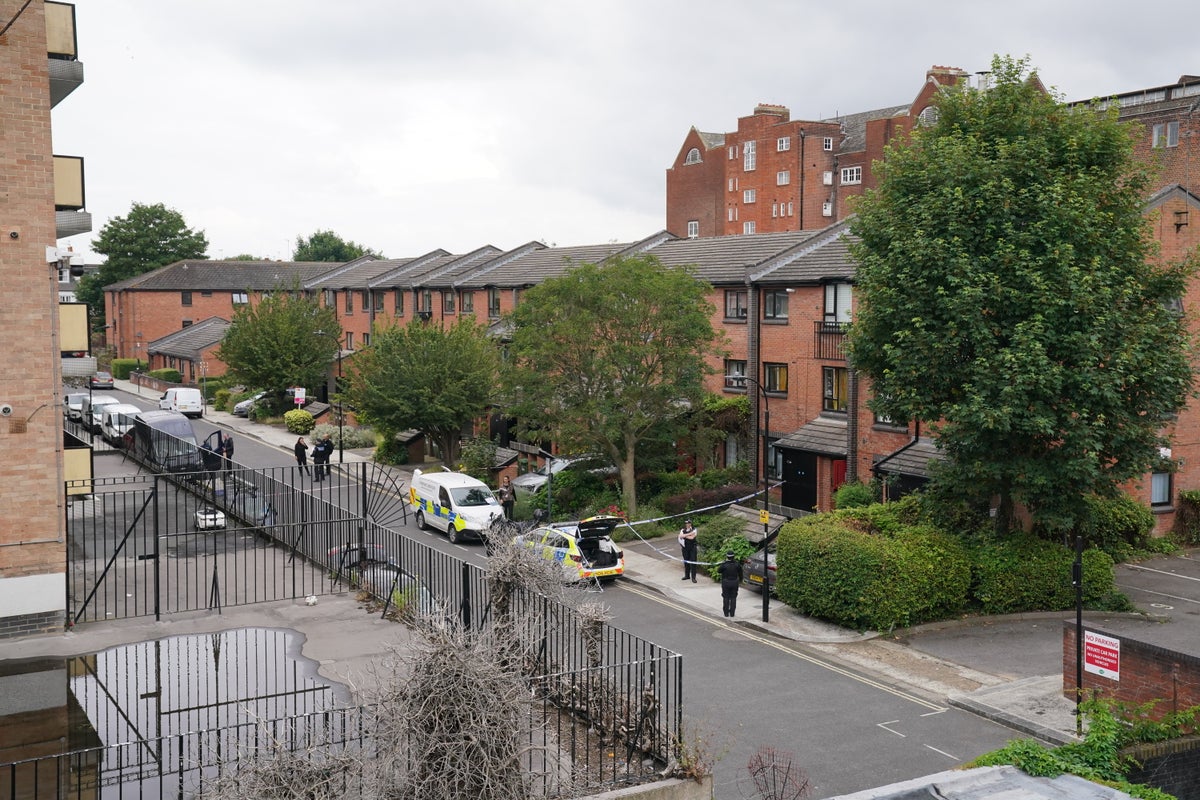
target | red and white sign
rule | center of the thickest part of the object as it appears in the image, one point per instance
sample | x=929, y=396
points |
x=1102, y=655
x=300, y=392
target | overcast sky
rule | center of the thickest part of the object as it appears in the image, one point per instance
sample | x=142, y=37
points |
x=406, y=126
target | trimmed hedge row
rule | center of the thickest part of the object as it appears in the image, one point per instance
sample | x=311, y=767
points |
x=878, y=568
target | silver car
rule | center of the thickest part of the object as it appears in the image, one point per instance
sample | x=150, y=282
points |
x=757, y=571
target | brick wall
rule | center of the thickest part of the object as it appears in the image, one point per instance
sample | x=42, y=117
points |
x=1147, y=673
x=32, y=501
x=1173, y=766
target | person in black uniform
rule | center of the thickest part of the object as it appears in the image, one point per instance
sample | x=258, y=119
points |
x=730, y=571
x=687, y=542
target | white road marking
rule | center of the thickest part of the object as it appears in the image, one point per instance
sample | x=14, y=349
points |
x=1163, y=572
x=943, y=752
x=1160, y=594
x=884, y=725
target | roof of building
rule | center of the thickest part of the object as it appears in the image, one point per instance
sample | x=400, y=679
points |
x=854, y=126
x=356, y=274
x=982, y=783
x=822, y=258
x=728, y=259
x=712, y=140
x=823, y=435
x=191, y=341
x=914, y=458
x=230, y=276
x=534, y=265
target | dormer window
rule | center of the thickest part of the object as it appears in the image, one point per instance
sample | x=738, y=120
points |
x=693, y=156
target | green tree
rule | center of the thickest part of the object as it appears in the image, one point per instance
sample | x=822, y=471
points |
x=425, y=377
x=1010, y=296
x=286, y=339
x=148, y=237
x=328, y=246
x=608, y=354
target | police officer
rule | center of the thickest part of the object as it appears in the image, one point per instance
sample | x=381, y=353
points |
x=730, y=571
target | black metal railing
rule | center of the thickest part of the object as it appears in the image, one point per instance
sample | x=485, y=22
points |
x=830, y=341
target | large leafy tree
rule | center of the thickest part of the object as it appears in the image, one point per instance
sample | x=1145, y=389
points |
x=425, y=377
x=285, y=339
x=1009, y=295
x=148, y=237
x=609, y=354
x=328, y=246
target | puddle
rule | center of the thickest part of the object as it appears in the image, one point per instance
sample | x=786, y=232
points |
x=139, y=701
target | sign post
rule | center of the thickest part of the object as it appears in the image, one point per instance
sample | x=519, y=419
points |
x=1102, y=655
x=299, y=395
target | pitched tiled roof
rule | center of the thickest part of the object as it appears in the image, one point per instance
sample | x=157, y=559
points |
x=228, y=276
x=911, y=459
x=356, y=274
x=855, y=126
x=412, y=266
x=192, y=340
x=823, y=435
x=726, y=259
x=822, y=258
x=535, y=265
x=712, y=140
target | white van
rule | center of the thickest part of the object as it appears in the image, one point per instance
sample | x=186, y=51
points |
x=458, y=504
x=116, y=420
x=93, y=407
x=188, y=402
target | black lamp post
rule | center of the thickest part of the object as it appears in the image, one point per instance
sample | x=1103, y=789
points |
x=549, y=485
x=765, y=514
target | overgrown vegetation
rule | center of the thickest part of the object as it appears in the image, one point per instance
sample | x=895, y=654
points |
x=1110, y=729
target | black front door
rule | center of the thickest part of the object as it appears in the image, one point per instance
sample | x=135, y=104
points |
x=799, y=479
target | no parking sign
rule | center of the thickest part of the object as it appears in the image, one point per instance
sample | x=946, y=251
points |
x=1102, y=655
x=299, y=395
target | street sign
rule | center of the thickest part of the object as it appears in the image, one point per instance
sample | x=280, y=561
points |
x=1102, y=655
x=764, y=517
x=300, y=392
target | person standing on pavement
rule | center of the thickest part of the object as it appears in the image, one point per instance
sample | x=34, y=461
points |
x=301, y=449
x=321, y=454
x=507, y=497
x=687, y=541
x=227, y=451
x=730, y=571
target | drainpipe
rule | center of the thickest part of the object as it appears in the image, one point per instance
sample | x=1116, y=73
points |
x=800, y=217
x=852, y=427
x=877, y=469
x=753, y=352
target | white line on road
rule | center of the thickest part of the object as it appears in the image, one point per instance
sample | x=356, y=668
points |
x=1158, y=594
x=884, y=725
x=943, y=752
x=935, y=713
x=1163, y=572
x=747, y=634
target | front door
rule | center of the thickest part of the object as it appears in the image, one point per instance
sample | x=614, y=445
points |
x=799, y=479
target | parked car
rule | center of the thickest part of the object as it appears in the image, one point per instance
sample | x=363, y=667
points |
x=92, y=411
x=101, y=380
x=370, y=566
x=184, y=399
x=209, y=518
x=585, y=549
x=242, y=409
x=73, y=405
x=116, y=419
x=530, y=482
x=759, y=571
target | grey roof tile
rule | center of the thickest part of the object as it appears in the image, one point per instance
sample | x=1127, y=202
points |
x=230, y=276
x=823, y=435
x=189, y=342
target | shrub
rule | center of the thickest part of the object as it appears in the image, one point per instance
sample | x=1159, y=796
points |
x=166, y=374
x=1187, y=521
x=737, y=544
x=853, y=495
x=121, y=367
x=1117, y=525
x=1030, y=574
x=391, y=450
x=848, y=571
x=349, y=436
x=221, y=400
x=665, y=484
x=299, y=421
x=478, y=459
x=572, y=491
x=705, y=498
x=713, y=478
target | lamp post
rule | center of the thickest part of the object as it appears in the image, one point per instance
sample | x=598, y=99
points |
x=765, y=514
x=203, y=385
x=549, y=485
x=338, y=387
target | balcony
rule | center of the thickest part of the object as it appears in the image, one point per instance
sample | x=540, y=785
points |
x=830, y=342
x=66, y=73
x=69, y=201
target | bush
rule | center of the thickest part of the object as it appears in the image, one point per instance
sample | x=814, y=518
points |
x=665, y=484
x=1117, y=525
x=1187, y=521
x=853, y=495
x=705, y=498
x=1030, y=574
x=478, y=459
x=121, y=367
x=221, y=400
x=167, y=374
x=349, y=436
x=713, y=478
x=391, y=450
x=299, y=421
x=572, y=491
x=850, y=572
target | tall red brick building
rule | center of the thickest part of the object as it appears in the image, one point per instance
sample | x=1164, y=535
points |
x=40, y=197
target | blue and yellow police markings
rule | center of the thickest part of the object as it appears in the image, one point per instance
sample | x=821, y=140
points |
x=430, y=507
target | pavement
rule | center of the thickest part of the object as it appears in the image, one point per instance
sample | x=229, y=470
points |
x=1006, y=669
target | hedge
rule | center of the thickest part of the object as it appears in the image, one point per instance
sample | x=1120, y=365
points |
x=1029, y=574
x=169, y=375
x=121, y=367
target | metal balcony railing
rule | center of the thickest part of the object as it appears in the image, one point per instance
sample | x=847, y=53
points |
x=830, y=344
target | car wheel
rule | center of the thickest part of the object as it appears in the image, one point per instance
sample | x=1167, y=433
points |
x=421, y=521
x=453, y=534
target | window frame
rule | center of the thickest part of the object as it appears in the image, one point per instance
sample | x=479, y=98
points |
x=365, y=297
x=348, y=306
x=693, y=229
x=740, y=304
x=851, y=176
x=240, y=298
x=493, y=299
x=835, y=293
x=783, y=144
x=773, y=300
x=749, y=196
x=735, y=379
x=466, y=303
x=1157, y=498
x=448, y=303
x=376, y=301
x=783, y=177
x=693, y=156
x=835, y=388
x=749, y=156
x=185, y=297
x=827, y=144
x=1165, y=135
x=749, y=227
x=775, y=377
x=398, y=302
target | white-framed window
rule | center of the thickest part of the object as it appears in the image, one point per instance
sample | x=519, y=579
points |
x=468, y=302
x=693, y=228
x=1160, y=489
x=366, y=340
x=783, y=144
x=790, y=212
x=330, y=298
x=838, y=297
x=240, y=298
x=750, y=196
x=733, y=184
x=349, y=340
x=749, y=156
x=827, y=143
x=1166, y=134
x=783, y=177
x=749, y=227
x=729, y=213
x=774, y=210
x=693, y=156
x=851, y=175
x=733, y=154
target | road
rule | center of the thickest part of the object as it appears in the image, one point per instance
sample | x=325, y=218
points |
x=746, y=690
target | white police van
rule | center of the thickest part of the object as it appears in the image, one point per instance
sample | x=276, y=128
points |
x=462, y=506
